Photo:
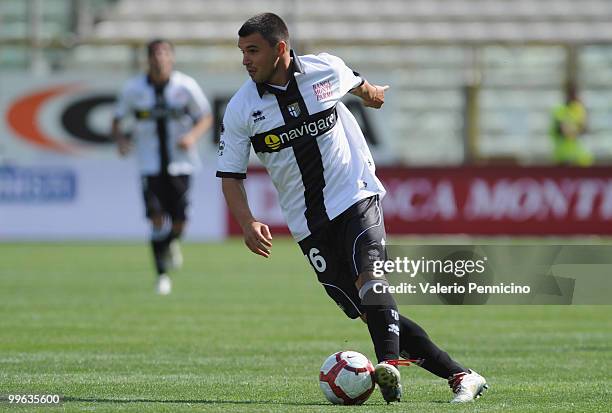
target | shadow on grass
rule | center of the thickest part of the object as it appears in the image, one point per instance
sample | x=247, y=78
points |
x=201, y=401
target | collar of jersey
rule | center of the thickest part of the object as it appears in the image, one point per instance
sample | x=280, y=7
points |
x=155, y=85
x=297, y=68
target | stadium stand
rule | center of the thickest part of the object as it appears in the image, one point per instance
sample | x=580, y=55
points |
x=518, y=90
x=515, y=51
x=421, y=21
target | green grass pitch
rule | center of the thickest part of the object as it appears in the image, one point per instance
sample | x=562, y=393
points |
x=241, y=333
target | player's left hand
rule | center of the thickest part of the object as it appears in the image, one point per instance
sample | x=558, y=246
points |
x=376, y=98
x=186, y=142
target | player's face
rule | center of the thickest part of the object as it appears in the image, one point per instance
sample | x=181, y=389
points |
x=259, y=58
x=161, y=61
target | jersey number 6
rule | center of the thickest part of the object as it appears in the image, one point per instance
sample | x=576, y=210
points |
x=317, y=261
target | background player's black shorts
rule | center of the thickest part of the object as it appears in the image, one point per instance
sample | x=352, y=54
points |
x=348, y=246
x=166, y=195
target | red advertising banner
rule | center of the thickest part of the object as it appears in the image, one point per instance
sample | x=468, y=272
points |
x=477, y=200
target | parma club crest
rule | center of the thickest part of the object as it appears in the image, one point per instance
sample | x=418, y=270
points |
x=294, y=109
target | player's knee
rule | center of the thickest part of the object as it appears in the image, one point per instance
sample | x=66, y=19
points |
x=366, y=277
x=178, y=227
x=160, y=228
x=157, y=221
x=375, y=293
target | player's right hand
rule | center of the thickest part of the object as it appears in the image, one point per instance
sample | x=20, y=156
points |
x=377, y=98
x=257, y=238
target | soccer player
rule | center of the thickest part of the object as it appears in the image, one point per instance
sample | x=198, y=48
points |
x=171, y=113
x=290, y=113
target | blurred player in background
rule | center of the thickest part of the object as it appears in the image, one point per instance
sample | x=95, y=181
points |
x=290, y=113
x=569, y=121
x=171, y=113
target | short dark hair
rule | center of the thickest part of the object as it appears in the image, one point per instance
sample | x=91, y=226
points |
x=269, y=25
x=155, y=42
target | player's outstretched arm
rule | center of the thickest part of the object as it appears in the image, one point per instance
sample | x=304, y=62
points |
x=257, y=235
x=373, y=96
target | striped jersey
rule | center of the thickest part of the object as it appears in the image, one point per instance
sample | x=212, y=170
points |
x=163, y=115
x=309, y=142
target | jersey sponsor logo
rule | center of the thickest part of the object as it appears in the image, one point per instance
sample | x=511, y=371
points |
x=284, y=136
x=322, y=90
x=142, y=114
x=160, y=112
x=294, y=109
x=272, y=141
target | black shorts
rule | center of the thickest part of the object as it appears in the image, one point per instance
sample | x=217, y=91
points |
x=348, y=246
x=166, y=195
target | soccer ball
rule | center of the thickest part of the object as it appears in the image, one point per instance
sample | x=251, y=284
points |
x=347, y=377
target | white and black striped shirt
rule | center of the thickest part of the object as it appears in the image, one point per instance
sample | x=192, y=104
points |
x=309, y=142
x=164, y=114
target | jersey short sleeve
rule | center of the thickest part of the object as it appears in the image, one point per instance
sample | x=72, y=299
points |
x=346, y=77
x=234, y=147
x=198, y=104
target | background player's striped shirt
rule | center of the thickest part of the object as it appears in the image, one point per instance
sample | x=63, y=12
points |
x=163, y=115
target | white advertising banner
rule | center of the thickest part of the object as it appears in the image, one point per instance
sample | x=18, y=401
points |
x=92, y=200
x=61, y=178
